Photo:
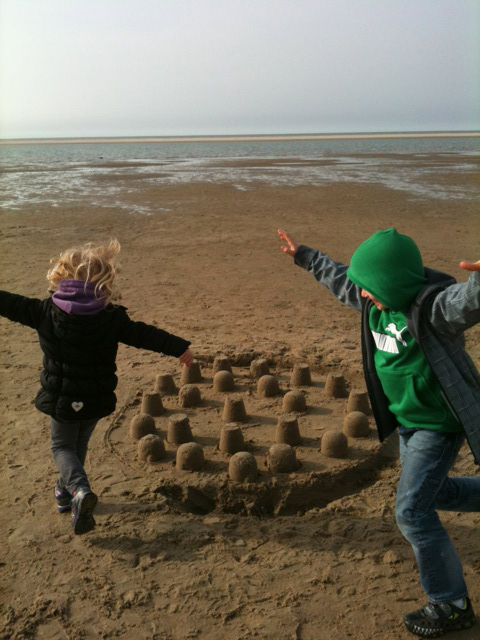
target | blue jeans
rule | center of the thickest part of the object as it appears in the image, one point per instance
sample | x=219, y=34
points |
x=69, y=448
x=424, y=487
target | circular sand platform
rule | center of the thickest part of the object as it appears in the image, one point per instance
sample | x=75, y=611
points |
x=318, y=480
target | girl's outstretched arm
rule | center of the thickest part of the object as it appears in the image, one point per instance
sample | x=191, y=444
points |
x=186, y=358
x=145, y=336
x=26, y=311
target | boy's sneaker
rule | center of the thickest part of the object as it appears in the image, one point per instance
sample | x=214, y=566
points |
x=63, y=499
x=83, y=504
x=435, y=619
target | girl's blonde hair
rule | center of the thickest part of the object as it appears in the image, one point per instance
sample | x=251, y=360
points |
x=90, y=263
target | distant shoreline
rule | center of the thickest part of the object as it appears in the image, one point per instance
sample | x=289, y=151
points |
x=242, y=138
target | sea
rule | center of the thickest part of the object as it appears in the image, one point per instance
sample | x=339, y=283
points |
x=60, y=173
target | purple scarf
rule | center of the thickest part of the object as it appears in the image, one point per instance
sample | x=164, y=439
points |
x=76, y=298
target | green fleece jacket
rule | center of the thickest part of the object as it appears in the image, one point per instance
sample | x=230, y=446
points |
x=389, y=266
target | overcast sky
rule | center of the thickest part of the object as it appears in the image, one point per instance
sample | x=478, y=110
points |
x=193, y=67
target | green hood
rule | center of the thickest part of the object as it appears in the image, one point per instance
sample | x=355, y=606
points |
x=389, y=266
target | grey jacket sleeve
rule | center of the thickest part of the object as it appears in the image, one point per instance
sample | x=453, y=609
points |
x=457, y=308
x=331, y=274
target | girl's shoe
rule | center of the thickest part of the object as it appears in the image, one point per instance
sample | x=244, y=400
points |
x=63, y=499
x=435, y=619
x=83, y=504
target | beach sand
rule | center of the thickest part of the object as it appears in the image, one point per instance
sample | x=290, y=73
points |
x=186, y=555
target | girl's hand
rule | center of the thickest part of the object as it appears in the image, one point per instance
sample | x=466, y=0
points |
x=470, y=266
x=186, y=358
x=292, y=247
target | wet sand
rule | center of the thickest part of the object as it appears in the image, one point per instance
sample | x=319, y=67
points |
x=208, y=267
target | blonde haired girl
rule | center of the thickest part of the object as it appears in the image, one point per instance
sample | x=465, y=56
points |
x=88, y=263
x=79, y=330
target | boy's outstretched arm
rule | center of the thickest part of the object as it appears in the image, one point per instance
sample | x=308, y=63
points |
x=325, y=270
x=470, y=266
x=458, y=307
x=291, y=247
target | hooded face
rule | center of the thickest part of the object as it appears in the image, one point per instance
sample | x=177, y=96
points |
x=379, y=305
x=389, y=269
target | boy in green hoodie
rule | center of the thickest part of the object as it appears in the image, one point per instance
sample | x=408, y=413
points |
x=420, y=379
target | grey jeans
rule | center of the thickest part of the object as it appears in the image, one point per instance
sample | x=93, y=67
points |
x=69, y=449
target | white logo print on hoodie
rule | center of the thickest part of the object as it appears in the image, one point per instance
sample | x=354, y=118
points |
x=389, y=343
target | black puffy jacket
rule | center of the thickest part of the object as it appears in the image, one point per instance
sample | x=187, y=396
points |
x=79, y=378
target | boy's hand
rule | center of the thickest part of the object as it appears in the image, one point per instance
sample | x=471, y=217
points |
x=292, y=247
x=470, y=266
x=186, y=358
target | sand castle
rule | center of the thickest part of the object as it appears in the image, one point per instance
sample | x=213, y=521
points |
x=287, y=431
x=325, y=435
x=268, y=386
x=190, y=457
x=189, y=396
x=334, y=444
x=150, y=448
x=165, y=384
x=221, y=363
x=152, y=404
x=281, y=458
x=191, y=374
x=179, y=430
x=259, y=368
x=223, y=381
x=243, y=467
x=301, y=376
x=358, y=401
x=141, y=425
x=234, y=410
x=231, y=439
x=355, y=425
x=294, y=401
x=335, y=386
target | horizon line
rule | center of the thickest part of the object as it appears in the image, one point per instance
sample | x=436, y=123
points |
x=239, y=137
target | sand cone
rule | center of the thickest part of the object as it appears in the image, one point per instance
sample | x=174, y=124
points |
x=231, y=439
x=301, y=376
x=179, y=430
x=287, y=431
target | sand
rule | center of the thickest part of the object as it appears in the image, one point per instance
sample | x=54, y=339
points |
x=311, y=555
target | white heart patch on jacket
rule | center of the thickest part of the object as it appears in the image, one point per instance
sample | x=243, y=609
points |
x=76, y=406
